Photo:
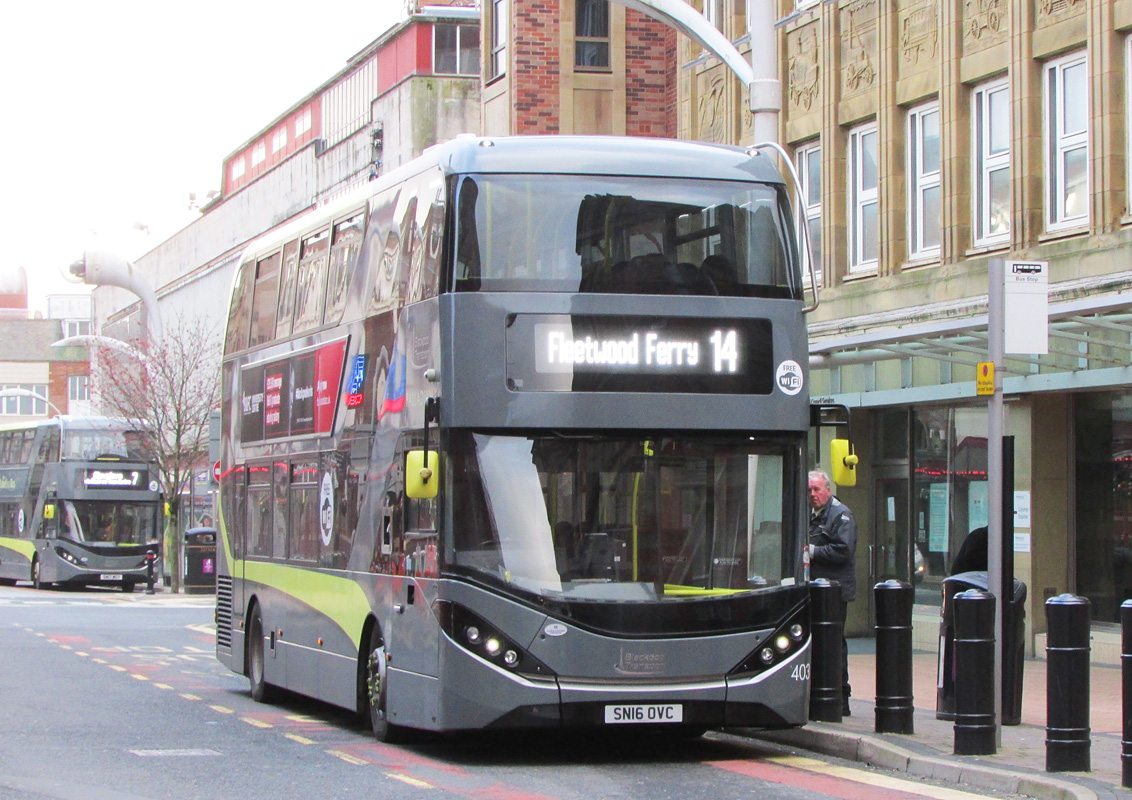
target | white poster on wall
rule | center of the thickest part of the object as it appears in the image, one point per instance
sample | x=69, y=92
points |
x=937, y=518
x=977, y=505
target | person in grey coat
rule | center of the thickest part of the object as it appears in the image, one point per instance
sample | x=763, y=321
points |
x=833, y=542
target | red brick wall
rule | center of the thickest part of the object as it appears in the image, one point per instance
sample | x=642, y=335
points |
x=650, y=77
x=58, y=372
x=537, y=74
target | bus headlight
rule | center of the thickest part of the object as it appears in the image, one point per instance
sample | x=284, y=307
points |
x=473, y=633
x=782, y=643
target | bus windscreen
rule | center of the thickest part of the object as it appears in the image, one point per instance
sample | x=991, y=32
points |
x=637, y=236
x=621, y=518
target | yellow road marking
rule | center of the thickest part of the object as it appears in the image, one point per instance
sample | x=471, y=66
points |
x=873, y=779
x=81, y=653
x=117, y=668
x=302, y=718
x=349, y=759
x=256, y=722
x=99, y=660
x=411, y=781
x=137, y=676
x=190, y=696
x=222, y=709
x=294, y=737
x=163, y=686
x=66, y=647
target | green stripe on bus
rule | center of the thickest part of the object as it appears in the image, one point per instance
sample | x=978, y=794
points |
x=24, y=547
x=339, y=599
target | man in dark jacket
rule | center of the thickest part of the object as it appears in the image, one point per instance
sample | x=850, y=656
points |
x=833, y=540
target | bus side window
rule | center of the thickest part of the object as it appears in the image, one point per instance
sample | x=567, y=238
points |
x=428, y=226
x=410, y=234
x=279, y=483
x=344, y=250
x=290, y=269
x=264, y=294
x=311, y=281
x=304, y=540
x=260, y=501
x=49, y=447
x=239, y=314
x=6, y=456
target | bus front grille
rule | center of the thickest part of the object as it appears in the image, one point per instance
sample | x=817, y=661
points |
x=223, y=611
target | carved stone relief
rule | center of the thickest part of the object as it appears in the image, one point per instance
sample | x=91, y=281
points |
x=803, y=69
x=1050, y=11
x=985, y=22
x=858, y=47
x=919, y=35
x=711, y=106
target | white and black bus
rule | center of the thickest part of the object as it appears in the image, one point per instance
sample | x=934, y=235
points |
x=79, y=504
x=514, y=437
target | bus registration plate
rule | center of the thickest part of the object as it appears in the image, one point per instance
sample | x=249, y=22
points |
x=106, y=576
x=644, y=714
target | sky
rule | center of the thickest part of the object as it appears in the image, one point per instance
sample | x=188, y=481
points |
x=116, y=110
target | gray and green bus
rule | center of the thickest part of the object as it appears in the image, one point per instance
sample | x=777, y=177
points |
x=514, y=437
x=79, y=504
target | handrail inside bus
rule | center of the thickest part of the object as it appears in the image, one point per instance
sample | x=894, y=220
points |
x=695, y=591
x=803, y=230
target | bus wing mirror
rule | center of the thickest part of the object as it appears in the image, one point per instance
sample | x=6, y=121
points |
x=420, y=474
x=843, y=463
x=49, y=511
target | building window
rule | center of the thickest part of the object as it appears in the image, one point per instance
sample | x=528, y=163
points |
x=259, y=153
x=990, y=116
x=1128, y=112
x=76, y=327
x=864, y=228
x=78, y=387
x=456, y=49
x=807, y=159
x=591, y=34
x=713, y=13
x=279, y=139
x=24, y=405
x=498, y=38
x=923, y=181
x=1067, y=142
x=303, y=123
x=236, y=168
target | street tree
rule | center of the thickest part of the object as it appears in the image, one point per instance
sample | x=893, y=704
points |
x=168, y=388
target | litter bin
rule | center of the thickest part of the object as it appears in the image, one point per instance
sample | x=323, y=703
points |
x=200, y=561
x=1013, y=648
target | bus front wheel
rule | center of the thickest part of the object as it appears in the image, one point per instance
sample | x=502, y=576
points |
x=377, y=692
x=36, y=581
x=262, y=691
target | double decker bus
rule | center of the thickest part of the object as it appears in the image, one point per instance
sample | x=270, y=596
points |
x=79, y=504
x=515, y=438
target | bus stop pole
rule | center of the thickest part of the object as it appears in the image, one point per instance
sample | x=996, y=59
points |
x=996, y=312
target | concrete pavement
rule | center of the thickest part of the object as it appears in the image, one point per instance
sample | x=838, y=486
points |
x=1018, y=766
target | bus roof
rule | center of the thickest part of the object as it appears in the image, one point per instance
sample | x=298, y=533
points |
x=547, y=155
x=68, y=422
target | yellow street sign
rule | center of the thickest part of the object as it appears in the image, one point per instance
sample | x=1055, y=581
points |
x=984, y=378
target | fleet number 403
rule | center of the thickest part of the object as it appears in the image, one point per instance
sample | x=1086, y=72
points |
x=801, y=672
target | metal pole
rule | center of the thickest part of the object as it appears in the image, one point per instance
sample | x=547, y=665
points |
x=766, y=90
x=894, y=704
x=826, y=632
x=996, y=340
x=975, y=726
x=1068, y=618
x=1126, y=691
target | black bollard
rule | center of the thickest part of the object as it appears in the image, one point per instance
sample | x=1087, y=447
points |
x=975, y=733
x=1126, y=684
x=894, y=708
x=827, y=634
x=1067, y=684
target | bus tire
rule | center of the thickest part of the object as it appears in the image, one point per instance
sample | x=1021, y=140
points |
x=127, y=587
x=376, y=692
x=261, y=690
x=36, y=581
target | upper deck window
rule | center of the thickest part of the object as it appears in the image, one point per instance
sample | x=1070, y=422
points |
x=575, y=233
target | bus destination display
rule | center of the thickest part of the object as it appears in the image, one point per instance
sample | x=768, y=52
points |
x=585, y=353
